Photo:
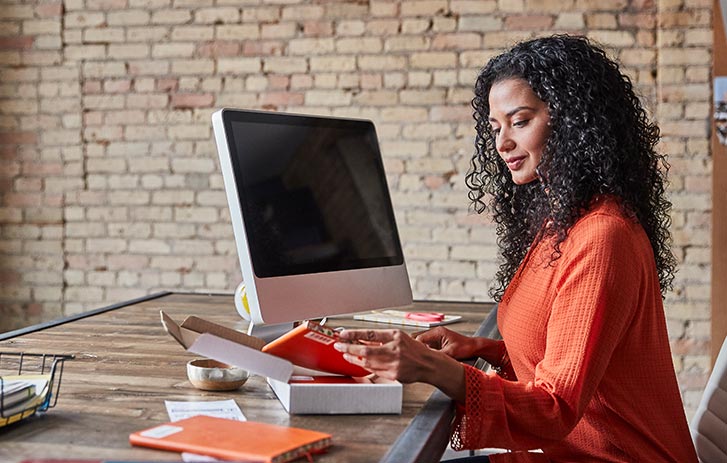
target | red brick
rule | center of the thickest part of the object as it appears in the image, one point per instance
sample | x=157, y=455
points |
x=167, y=85
x=689, y=346
x=371, y=81
x=434, y=181
x=9, y=277
x=317, y=29
x=28, y=184
x=192, y=100
x=53, y=200
x=75, y=261
x=49, y=10
x=18, y=138
x=22, y=199
x=7, y=152
x=645, y=38
x=639, y=21
x=529, y=22
x=461, y=41
x=218, y=48
x=42, y=168
x=6, y=184
x=9, y=169
x=278, y=82
x=268, y=48
x=91, y=87
x=282, y=99
x=34, y=309
x=117, y=86
x=643, y=4
x=93, y=118
x=21, y=42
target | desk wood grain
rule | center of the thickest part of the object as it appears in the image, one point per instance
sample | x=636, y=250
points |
x=125, y=366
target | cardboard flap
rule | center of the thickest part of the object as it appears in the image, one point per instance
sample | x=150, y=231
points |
x=183, y=336
x=192, y=327
x=241, y=356
x=204, y=326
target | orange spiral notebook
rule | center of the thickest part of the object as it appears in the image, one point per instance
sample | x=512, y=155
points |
x=233, y=440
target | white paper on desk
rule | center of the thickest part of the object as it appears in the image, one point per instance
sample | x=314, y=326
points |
x=218, y=408
x=193, y=457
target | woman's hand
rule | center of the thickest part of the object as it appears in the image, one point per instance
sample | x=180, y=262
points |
x=456, y=345
x=394, y=355
x=390, y=354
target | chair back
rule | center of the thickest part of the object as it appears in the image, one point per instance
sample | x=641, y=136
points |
x=709, y=425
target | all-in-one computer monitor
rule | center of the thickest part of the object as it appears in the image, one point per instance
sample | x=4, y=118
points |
x=311, y=214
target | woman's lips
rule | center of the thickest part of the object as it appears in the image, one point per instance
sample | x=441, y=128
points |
x=515, y=163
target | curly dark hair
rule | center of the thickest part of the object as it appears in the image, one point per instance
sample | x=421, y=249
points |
x=601, y=143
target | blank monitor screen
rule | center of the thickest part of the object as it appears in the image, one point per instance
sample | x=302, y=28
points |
x=312, y=215
x=313, y=194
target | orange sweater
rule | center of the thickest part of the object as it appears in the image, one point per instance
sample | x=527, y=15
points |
x=587, y=339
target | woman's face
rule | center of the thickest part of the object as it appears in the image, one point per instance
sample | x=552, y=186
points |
x=520, y=123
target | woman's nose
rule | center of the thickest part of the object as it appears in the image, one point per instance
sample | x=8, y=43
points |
x=504, y=142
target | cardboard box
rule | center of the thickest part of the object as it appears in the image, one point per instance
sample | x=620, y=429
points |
x=314, y=394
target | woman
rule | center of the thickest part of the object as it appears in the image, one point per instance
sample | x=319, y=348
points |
x=566, y=154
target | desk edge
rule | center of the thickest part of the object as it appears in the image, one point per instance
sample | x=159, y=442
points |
x=60, y=321
x=428, y=433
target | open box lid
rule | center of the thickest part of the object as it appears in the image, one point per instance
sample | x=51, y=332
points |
x=226, y=345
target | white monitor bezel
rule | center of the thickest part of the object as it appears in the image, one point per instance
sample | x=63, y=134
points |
x=289, y=298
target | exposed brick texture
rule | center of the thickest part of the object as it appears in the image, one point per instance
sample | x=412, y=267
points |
x=109, y=181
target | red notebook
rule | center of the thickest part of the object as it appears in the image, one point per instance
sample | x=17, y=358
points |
x=310, y=345
x=233, y=440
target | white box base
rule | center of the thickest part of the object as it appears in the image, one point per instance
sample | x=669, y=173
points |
x=339, y=399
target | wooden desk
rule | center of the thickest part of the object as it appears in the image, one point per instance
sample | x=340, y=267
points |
x=126, y=366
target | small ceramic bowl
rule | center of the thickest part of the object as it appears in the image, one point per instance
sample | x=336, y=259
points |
x=211, y=375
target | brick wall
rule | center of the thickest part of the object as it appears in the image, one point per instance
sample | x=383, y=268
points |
x=41, y=155
x=684, y=39
x=109, y=183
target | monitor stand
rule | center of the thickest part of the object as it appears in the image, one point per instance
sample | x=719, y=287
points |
x=269, y=331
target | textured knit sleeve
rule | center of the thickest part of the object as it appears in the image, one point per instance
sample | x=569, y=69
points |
x=503, y=365
x=596, y=294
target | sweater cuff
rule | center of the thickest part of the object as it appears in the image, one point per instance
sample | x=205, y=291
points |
x=467, y=426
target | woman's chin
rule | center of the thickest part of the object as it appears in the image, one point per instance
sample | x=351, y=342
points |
x=523, y=179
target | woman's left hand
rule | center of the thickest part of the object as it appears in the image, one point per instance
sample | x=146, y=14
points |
x=390, y=354
x=394, y=355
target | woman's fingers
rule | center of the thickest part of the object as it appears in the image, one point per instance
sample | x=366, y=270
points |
x=376, y=359
x=436, y=338
x=430, y=338
x=375, y=350
x=380, y=336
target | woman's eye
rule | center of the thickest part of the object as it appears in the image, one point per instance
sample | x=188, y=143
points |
x=495, y=131
x=522, y=123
